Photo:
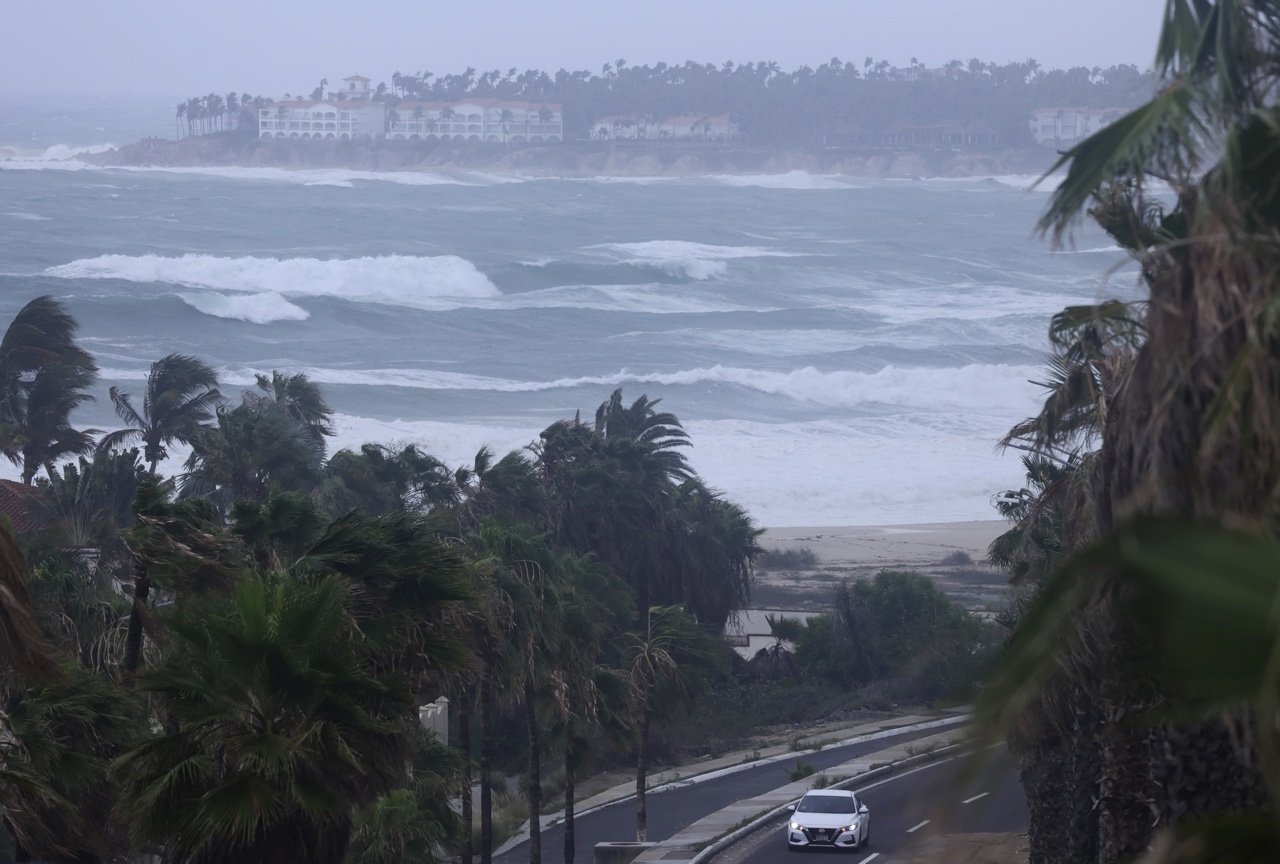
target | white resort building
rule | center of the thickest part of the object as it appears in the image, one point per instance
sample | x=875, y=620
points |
x=1054, y=126
x=351, y=112
x=697, y=127
x=342, y=119
x=490, y=120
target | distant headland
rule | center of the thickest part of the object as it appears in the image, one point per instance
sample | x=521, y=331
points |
x=869, y=119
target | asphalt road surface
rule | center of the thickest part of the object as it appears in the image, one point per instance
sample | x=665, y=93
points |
x=674, y=809
x=906, y=808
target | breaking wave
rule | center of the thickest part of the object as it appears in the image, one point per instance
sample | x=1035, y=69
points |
x=798, y=180
x=441, y=282
x=254, y=308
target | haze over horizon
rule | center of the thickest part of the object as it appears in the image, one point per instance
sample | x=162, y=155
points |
x=146, y=47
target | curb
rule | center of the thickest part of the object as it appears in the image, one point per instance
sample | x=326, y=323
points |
x=723, y=843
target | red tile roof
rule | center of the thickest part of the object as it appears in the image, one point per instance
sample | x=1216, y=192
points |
x=21, y=504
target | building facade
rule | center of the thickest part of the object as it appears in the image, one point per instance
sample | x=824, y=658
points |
x=489, y=120
x=324, y=119
x=1057, y=126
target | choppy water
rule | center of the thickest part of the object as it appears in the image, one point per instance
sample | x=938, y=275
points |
x=843, y=350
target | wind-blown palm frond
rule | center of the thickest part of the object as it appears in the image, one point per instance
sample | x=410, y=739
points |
x=180, y=398
x=1161, y=138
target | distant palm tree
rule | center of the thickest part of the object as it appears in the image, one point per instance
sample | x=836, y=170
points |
x=181, y=395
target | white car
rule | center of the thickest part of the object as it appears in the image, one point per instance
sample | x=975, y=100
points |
x=829, y=819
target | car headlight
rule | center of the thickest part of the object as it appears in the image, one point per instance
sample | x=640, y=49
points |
x=795, y=826
x=852, y=826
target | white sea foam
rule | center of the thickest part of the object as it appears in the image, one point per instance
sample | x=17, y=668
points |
x=643, y=299
x=684, y=258
x=1095, y=250
x=797, y=180
x=262, y=308
x=863, y=472
x=26, y=217
x=441, y=282
x=58, y=157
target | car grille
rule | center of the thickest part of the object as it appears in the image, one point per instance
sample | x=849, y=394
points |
x=821, y=835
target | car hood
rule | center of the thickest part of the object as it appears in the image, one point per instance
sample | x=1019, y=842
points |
x=823, y=820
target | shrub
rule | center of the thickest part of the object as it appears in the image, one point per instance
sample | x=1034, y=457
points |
x=958, y=558
x=800, y=771
x=787, y=559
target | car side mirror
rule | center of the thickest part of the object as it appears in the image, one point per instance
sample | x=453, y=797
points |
x=791, y=807
x=863, y=809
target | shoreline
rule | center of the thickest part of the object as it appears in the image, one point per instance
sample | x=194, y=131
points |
x=569, y=160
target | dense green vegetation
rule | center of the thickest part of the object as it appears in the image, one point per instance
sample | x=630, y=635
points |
x=1139, y=683
x=227, y=663
x=834, y=103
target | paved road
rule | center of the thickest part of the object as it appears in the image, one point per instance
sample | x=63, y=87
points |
x=908, y=807
x=672, y=810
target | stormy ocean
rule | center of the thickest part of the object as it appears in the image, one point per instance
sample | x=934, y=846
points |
x=842, y=350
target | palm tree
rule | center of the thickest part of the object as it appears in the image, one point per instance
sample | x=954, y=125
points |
x=278, y=733
x=44, y=376
x=662, y=662
x=1188, y=431
x=59, y=736
x=180, y=397
x=23, y=643
x=302, y=402
x=181, y=112
x=510, y=584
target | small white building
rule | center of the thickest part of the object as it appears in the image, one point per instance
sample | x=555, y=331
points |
x=747, y=631
x=354, y=87
x=323, y=119
x=1058, y=126
x=688, y=127
x=488, y=120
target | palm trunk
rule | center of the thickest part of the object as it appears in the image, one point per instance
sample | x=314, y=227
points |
x=464, y=743
x=535, y=776
x=642, y=767
x=486, y=763
x=134, y=636
x=570, y=838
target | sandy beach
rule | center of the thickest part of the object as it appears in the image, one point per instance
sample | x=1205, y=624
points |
x=888, y=545
x=855, y=552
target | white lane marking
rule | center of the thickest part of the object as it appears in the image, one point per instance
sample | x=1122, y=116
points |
x=870, y=857
x=975, y=798
x=918, y=827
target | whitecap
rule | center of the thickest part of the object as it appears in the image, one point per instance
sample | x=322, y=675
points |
x=27, y=217
x=698, y=261
x=795, y=180
x=263, y=308
x=440, y=282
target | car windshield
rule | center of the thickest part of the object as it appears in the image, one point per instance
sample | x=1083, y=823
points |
x=827, y=804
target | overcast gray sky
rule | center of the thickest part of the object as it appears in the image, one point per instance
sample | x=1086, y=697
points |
x=271, y=46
